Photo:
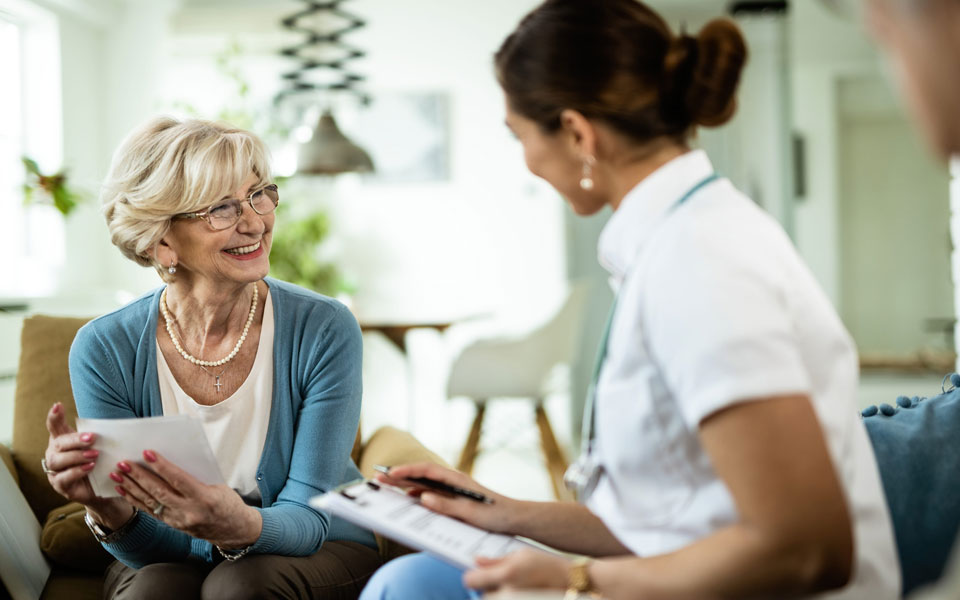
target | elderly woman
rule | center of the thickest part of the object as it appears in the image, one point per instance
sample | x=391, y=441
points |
x=271, y=370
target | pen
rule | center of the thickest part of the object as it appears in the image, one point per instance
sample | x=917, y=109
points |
x=440, y=486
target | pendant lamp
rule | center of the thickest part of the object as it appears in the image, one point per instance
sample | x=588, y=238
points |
x=323, y=72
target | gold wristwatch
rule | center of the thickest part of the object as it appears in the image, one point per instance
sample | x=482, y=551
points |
x=578, y=580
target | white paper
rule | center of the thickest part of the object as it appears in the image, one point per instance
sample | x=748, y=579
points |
x=396, y=515
x=23, y=568
x=180, y=439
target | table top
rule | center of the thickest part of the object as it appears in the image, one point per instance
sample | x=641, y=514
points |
x=397, y=332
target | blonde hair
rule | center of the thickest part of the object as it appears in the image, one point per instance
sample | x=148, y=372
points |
x=167, y=167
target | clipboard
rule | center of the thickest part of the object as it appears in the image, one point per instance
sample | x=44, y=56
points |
x=393, y=513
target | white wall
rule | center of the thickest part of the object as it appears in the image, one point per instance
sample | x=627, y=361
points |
x=477, y=243
x=825, y=49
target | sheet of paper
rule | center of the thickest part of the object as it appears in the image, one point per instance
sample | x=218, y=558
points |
x=23, y=569
x=180, y=439
x=393, y=513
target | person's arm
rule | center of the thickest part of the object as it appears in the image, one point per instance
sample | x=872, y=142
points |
x=566, y=526
x=793, y=536
x=100, y=392
x=324, y=433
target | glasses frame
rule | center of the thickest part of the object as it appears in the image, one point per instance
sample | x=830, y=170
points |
x=204, y=214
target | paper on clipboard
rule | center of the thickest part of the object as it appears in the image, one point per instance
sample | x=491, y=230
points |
x=396, y=515
x=180, y=439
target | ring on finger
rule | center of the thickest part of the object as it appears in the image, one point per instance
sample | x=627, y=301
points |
x=46, y=469
x=158, y=509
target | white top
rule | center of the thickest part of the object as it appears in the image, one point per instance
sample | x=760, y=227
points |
x=236, y=426
x=715, y=307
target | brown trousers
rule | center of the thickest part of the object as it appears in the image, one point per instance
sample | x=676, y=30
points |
x=337, y=572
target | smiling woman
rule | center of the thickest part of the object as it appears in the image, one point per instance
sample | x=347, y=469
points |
x=271, y=370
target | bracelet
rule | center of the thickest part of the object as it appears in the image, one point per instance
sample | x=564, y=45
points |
x=233, y=555
x=106, y=536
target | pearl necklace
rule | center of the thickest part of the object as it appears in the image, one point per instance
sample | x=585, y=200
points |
x=195, y=360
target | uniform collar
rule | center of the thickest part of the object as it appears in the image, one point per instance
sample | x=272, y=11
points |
x=643, y=208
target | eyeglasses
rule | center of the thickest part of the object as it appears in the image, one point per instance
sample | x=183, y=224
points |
x=227, y=213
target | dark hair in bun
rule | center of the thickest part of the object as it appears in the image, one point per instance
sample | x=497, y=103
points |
x=618, y=61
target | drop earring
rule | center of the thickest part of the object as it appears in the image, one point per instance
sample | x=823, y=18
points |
x=586, y=178
x=172, y=268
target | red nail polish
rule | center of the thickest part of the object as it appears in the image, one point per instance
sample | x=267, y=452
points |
x=124, y=467
x=86, y=437
x=91, y=453
x=56, y=408
x=116, y=477
x=150, y=455
x=120, y=490
x=88, y=466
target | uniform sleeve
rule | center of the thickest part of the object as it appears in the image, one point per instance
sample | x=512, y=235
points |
x=325, y=430
x=719, y=323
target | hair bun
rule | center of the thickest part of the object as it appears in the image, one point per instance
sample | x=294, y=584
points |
x=710, y=99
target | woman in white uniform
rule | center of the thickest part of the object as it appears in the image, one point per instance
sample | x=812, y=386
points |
x=728, y=459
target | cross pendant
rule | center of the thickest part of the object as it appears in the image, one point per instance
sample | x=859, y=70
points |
x=218, y=385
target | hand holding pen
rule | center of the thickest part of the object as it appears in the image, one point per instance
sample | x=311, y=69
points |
x=439, y=486
x=498, y=513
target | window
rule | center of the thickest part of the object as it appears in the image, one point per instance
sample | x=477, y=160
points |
x=32, y=245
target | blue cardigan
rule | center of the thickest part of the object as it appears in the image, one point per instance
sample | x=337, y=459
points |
x=317, y=353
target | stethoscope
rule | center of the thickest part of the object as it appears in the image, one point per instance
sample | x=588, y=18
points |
x=582, y=476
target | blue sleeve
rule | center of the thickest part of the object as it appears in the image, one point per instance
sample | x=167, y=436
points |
x=101, y=391
x=330, y=359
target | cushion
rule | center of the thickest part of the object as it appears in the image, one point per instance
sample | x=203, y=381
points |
x=917, y=445
x=23, y=569
x=42, y=379
x=391, y=446
x=67, y=541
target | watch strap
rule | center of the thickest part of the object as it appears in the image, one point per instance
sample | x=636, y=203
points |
x=578, y=579
x=108, y=536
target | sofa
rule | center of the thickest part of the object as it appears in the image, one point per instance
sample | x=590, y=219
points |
x=77, y=560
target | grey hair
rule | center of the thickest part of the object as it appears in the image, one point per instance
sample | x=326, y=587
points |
x=167, y=167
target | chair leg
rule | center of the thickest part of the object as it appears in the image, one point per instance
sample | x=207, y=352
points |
x=556, y=461
x=471, y=448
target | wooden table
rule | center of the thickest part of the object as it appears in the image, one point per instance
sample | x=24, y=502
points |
x=397, y=332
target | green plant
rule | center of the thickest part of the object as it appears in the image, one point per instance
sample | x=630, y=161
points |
x=294, y=254
x=53, y=187
x=297, y=240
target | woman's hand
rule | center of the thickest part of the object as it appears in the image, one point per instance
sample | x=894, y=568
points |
x=69, y=458
x=498, y=516
x=521, y=569
x=215, y=513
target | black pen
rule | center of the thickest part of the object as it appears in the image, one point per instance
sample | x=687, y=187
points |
x=440, y=486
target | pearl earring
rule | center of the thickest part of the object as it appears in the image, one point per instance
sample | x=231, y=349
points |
x=586, y=179
x=172, y=268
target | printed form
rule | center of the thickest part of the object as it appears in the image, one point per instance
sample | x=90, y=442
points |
x=392, y=513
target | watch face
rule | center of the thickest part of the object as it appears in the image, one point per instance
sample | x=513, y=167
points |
x=95, y=528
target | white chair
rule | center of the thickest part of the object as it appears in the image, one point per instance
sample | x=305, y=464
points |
x=519, y=366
